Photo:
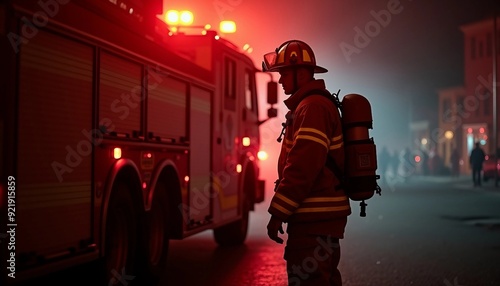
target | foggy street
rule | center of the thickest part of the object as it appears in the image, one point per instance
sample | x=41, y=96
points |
x=430, y=231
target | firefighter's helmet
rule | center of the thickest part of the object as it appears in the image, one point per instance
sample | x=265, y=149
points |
x=293, y=53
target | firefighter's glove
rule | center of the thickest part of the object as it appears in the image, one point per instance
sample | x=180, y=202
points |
x=273, y=227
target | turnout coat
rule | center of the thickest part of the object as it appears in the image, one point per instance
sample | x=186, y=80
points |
x=307, y=192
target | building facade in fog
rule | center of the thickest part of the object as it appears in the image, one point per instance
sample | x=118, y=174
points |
x=466, y=112
x=450, y=124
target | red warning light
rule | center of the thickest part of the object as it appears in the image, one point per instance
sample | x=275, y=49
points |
x=175, y=18
x=418, y=158
x=227, y=27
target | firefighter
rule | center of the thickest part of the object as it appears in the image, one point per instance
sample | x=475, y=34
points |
x=307, y=195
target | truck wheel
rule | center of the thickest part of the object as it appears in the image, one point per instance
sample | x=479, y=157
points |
x=121, y=237
x=234, y=233
x=158, y=231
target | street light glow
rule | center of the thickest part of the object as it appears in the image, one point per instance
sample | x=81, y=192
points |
x=448, y=134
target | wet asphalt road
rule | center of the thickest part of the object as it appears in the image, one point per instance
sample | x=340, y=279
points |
x=427, y=231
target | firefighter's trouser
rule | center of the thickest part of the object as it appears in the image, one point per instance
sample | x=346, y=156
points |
x=313, y=260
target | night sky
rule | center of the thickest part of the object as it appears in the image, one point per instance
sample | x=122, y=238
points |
x=409, y=50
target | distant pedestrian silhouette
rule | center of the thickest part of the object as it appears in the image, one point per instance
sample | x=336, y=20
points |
x=425, y=162
x=476, y=162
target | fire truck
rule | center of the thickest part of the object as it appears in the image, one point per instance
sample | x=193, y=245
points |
x=117, y=136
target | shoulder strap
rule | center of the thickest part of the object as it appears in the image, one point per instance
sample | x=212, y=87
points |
x=330, y=163
x=334, y=97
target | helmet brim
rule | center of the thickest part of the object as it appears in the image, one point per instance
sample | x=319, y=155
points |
x=317, y=69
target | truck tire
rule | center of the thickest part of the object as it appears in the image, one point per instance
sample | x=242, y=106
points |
x=121, y=243
x=234, y=233
x=158, y=231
